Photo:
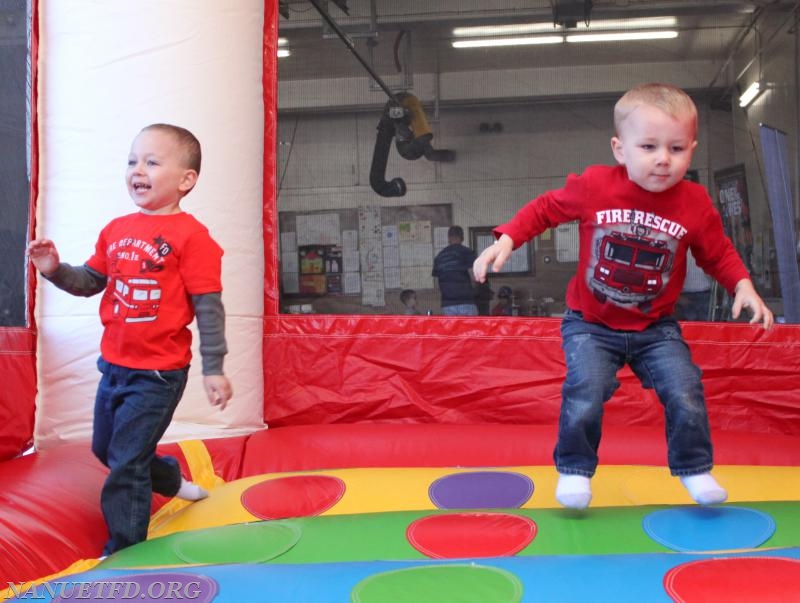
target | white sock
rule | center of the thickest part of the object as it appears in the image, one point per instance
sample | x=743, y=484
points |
x=704, y=489
x=190, y=491
x=574, y=491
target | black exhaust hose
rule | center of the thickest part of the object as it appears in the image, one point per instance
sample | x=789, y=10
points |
x=380, y=157
x=408, y=146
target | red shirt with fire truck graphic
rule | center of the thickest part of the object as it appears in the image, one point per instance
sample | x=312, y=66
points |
x=633, y=244
x=154, y=263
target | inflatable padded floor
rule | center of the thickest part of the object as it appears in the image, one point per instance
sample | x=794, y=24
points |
x=488, y=534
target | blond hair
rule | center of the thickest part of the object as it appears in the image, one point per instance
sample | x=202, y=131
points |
x=668, y=98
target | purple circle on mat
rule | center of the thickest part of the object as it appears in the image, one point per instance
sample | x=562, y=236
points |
x=481, y=490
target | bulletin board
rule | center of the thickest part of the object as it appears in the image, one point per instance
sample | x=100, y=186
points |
x=361, y=251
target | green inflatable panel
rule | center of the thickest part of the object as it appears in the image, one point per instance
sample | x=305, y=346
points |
x=440, y=584
x=376, y=536
x=257, y=542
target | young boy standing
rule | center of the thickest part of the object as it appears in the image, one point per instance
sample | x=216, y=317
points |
x=159, y=268
x=637, y=221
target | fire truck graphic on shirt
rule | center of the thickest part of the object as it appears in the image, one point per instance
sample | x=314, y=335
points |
x=136, y=299
x=630, y=268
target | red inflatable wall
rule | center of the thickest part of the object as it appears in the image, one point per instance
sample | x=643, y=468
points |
x=326, y=369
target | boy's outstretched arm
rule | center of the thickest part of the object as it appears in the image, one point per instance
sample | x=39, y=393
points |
x=745, y=297
x=494, y=255
x=76, y=280
x=44, y=256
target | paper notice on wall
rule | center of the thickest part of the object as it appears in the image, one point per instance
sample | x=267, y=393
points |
x=372, y=289
x=414, y=232
x=351, y=282
x=350, y=258
x=415, y=277
x=390, y=235
x=318, y=229
x=416, y=254
x=369, y=224
x=391, y=277
x=371, y=253
x=370, y=247
x=423, y=232
x=349, y=240
x=391, y=256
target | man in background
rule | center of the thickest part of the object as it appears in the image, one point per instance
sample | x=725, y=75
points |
x=452, y=266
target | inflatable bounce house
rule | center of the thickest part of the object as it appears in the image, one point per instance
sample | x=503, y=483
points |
x=363, y=458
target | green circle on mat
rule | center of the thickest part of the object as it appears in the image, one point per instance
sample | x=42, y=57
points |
x=242, y=543
x=440, y=584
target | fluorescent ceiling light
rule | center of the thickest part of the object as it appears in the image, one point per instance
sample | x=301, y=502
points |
x=529, y=28
x=282, y=41
x=283, y=52
x=503, y=30
x=508, y=41
x=639, y=23
x=623, y=36
x=749, y=95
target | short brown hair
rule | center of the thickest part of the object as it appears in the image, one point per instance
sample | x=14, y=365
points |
x=455, y=232
x=407, y=294
x=187, y=140
x=670, y=99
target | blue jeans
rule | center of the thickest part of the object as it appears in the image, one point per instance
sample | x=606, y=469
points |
x=460, y=310
x=132, y=410
x=661, y=360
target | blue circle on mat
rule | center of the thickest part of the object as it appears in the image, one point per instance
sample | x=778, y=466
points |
x=481, y=490
x=691, y=529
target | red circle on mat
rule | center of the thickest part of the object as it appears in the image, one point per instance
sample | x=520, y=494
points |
x=734, y=580
x=459, y=535
x=296, y=496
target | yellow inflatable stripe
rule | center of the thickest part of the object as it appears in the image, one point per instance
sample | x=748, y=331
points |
x=405, y=489
x=201, y=469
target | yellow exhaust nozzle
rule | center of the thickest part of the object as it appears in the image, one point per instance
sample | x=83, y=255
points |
x=419, y=123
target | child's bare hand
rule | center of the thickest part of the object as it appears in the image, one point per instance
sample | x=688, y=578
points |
x=44, y=255
x=218, y=389
x=493, y=256
x=746, y=298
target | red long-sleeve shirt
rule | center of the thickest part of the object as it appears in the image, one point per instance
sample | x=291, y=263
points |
x=633, y=244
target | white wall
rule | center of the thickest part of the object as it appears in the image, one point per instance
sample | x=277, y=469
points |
x=106, y=70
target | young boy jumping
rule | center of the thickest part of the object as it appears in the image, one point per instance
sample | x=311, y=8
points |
x=636, y=222
x=159, y=268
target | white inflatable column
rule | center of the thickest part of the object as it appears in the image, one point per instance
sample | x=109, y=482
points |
x=106, y=70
